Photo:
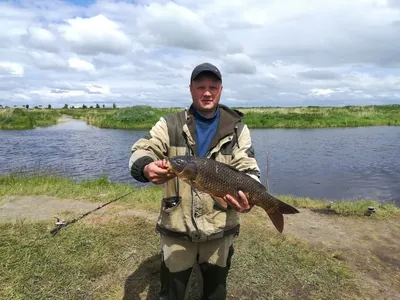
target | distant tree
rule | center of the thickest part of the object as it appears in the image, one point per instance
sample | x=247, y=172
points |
x=84, y=106
x=27, y=106
x=97, y=106
x=49, y=106
x=36, y=107
x=72, y=106
x=104, y=106
x=65, y=106
x=1, y=106
x=114, y=106
x=91, y=106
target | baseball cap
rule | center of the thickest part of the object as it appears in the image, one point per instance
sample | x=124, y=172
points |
x=205, y=67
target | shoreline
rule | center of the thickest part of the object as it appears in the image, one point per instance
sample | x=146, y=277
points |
x=144, y=117
x=60, y=186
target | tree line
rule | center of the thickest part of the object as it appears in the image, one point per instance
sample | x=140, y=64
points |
x=66, y=106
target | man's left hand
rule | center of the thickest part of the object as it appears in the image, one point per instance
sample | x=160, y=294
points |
x=240, y=203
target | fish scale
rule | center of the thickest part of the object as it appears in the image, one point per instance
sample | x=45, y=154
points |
x=219, y=179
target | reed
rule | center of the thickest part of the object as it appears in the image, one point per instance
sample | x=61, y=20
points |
x=143, y=117
x=19, y=118
x=320, y=117
x=135, y=117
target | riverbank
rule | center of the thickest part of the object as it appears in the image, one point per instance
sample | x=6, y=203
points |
x=28, y=119
x=322, y=254
x=143, y=117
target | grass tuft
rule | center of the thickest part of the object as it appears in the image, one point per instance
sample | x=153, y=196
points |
x=19, y=118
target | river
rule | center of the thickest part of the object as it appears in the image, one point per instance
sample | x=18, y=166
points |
x=329, y=163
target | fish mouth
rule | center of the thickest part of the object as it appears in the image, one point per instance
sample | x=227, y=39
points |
x=169, y=166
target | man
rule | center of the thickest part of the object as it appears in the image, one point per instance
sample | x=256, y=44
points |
x=192, y=225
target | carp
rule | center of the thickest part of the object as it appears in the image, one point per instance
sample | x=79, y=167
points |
x=219, y=179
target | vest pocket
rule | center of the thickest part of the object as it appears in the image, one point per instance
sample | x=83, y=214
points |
x=170, y=203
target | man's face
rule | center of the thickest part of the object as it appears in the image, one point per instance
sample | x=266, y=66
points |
x=206, y=92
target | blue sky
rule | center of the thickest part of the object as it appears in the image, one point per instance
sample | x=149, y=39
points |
x=271, y=53
x=81, y=2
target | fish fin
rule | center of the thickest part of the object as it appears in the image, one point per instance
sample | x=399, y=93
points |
x=285, y=208
x=277, y=219
x=221, y=201
x=276, y=214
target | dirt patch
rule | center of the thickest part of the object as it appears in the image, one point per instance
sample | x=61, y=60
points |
x=370, y=247
x=39, y=208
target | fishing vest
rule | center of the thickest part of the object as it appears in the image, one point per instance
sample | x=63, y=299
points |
x=192, y=214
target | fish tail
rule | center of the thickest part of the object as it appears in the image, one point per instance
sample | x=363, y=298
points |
x=285, y=208
x=276, y=214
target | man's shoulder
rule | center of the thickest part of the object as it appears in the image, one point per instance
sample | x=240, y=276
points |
x=175, y=116
x=240, y=113
x=233, y=112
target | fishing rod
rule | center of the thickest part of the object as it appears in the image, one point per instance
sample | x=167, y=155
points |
x=62, y=224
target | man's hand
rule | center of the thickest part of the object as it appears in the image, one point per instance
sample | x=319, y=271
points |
x=240, y=204
x=157, y=172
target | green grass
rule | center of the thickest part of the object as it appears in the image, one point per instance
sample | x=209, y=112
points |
x=88, y=190
x=27, y=119
x=144, y=117
x=105, y=260
x=95, y=189
x=68, y=265
x=96, y=259
x=319, y=117
x=136, y=117
x=283, y=267
x=354, y=208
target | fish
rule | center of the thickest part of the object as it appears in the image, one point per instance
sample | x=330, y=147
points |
x=219, y=179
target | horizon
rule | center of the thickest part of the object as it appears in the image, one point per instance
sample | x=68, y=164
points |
x=93, y=106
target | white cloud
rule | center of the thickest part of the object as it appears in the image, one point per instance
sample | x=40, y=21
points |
x=98, y=89
x=173, y=25
x=142, y=52
x=94, y=35
x=239, y=63
x=10, y=68
x=45, y=60
x=321, y=92
x=80, y=64
x=41, y=38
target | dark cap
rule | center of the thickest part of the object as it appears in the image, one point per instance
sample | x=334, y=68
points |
x=205, y=67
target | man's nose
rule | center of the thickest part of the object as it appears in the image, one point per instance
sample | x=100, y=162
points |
x=207, y=93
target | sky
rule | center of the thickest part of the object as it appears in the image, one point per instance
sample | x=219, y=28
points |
x=270, y=53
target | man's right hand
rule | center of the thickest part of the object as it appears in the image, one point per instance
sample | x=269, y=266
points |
x=157, y=172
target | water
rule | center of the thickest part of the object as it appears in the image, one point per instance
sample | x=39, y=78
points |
x=332, y=163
